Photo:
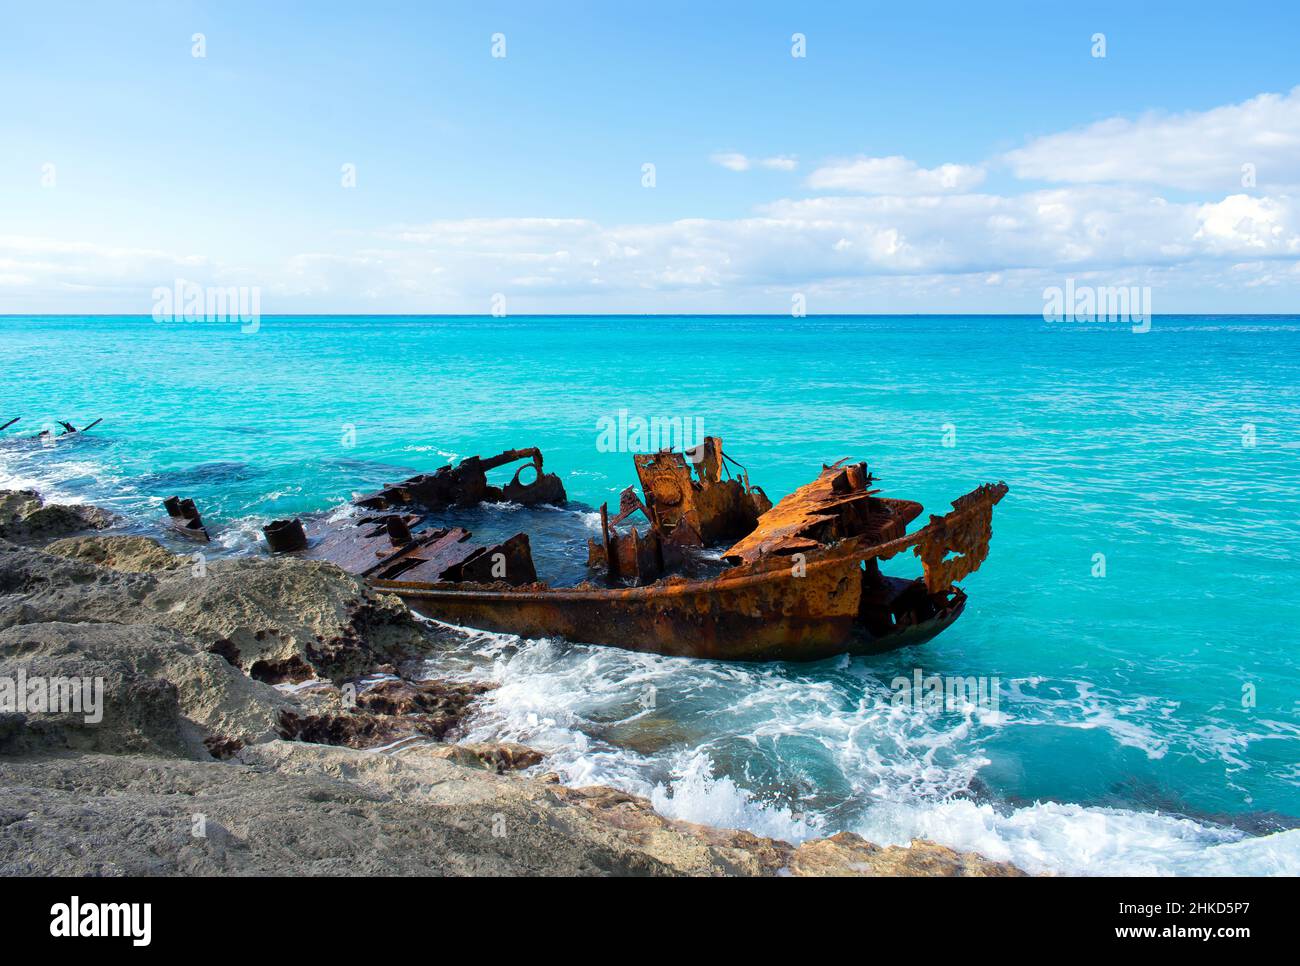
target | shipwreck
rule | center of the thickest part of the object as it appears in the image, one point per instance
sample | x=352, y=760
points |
x=699, y=564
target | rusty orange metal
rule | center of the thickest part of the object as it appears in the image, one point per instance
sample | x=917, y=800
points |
x=802, y=580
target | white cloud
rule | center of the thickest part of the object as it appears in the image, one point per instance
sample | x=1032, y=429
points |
x=894, y=176
x=734, y=161
x=1240, y=223
x=1198, y=150
x=840, y=244
x=40, y=264
x=826, y=239
x=887, y=229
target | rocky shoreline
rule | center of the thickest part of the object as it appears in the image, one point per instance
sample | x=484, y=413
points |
x=266, y=717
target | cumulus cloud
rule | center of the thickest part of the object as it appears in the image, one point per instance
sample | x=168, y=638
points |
x=823, y=239
x=894, y=175
x=1240, y=223
x=734, y=161
x=835, y=242
x=876, y=228
x=1198, y=150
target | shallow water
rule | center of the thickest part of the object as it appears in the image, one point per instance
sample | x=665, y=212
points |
x=1121, y=741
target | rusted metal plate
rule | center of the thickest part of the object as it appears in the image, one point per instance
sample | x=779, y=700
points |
x=384, y=548
x=669, y=496
x=700, y=512
x=773, y=615
x=838, y=505
x=184, y=519
x=466, y=484
x=358, y=547
x=437, y=553
x=965, y=531
x=510, y=562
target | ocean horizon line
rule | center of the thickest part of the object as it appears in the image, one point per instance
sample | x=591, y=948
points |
x=643, y=315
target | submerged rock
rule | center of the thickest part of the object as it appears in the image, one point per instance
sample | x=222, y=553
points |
x=27, y=519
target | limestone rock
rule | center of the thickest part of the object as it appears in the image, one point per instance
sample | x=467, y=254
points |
x=395, y=696
x=129, y=554
x=355, y=728
x=847, y=854
x=26, y=518
x=276, y=619
x=499, y=757
x=161, y=692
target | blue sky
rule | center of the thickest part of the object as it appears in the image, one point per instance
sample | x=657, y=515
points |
x=919, y=158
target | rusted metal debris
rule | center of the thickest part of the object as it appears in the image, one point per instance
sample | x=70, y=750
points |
x=68, y=428
x=682, y=512
x=387, y=547
x=466, y=485
x=405, y=545
x=839, y=504
x=285, y=536
x=184, y=520
x=800, y=580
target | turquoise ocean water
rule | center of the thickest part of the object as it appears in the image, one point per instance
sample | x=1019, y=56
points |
x=1147, y=718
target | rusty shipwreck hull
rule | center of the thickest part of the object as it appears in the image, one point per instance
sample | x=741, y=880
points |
x=758, y=617
x=825, y=602
x=702, y=564
x=773, y=615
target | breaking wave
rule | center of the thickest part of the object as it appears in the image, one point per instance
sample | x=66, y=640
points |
x=795, y=755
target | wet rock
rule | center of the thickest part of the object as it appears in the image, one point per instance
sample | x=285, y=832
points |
x=446, y=698
x=362, y=729
x=847, y=854
x=499, y=757
x=129, y=554
x=649, y=734
x=395, y=709
x=27, y=519
x=290, y=670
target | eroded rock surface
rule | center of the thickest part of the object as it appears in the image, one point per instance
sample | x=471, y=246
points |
x=161, y=691
x=129, y=554
x=277, y=620
x=27, y=519
x=846, y=854
x=499, y=757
